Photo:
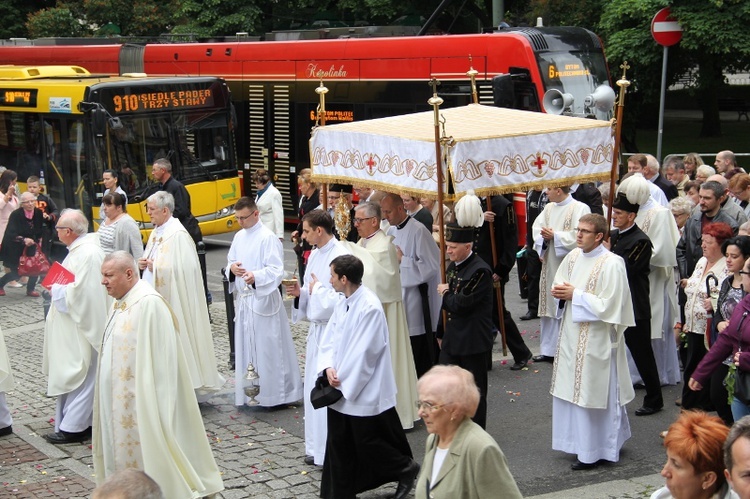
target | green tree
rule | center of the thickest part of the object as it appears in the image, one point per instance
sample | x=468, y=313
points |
x=63, y=20
x=714, y=40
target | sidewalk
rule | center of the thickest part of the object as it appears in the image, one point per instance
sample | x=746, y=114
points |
x=259, y=451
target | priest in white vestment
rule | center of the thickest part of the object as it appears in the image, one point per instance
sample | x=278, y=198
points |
x=366, y=446
x=380, y=258
x=419, y=264
x=659, y=225
x=73, y=331
x=590, y=379
x=170, y=264
x=146, y=414
x=6, y=384
x=554, y=236
x=262, y=336
x=315, y=302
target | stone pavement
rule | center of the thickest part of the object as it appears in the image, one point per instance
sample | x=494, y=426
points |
x=258, y=450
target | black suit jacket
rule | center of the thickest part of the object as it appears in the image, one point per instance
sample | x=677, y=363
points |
x=182, y=207
x=20, y=227
x=506, y=237
x=468, y=306
x=670, y=190
x=635, y=248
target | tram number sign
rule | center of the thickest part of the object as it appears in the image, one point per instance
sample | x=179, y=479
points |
x=665, y=29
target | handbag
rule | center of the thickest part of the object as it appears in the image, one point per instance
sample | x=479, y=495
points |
x=323, y=394
x=33, y=265
x=741, y=378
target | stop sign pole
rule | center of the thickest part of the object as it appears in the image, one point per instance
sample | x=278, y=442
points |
x=666, y=32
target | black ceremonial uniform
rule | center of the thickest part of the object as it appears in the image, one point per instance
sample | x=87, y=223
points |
x=635, y=248
x=506, y=245
x=468, y=334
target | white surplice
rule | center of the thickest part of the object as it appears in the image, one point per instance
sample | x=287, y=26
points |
x=590, y=379
x=563, y=218
x=177, y=276
x=382, y=277
x=420, y=264
x=146, y=413
x=317, y=307
x=355, y=344
x=271, y=210
x=73, y=334
x=261, y=327
x=6, y=384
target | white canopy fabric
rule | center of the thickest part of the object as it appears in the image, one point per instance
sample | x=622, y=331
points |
x=491, y=151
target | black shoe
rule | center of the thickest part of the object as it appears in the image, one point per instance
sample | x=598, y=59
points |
x=4, y=432
x=310, y=460
x=639, y=386
x=520, y=365
x=406, y=481
x=65, y=437
x=579, y=466
x=543, y=358
x=529, y=316
x=647, y=411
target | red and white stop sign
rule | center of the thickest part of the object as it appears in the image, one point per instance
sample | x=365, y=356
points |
x=665, y=29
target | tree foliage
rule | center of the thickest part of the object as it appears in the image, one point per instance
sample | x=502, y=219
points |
x=63, y=20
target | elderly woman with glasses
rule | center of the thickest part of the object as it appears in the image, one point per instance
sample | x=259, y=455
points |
x=461, y=459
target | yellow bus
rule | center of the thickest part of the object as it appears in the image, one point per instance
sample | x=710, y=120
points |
x=67, y=126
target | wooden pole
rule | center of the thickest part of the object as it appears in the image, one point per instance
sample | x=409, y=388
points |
x=435, y=102
x=623, y=84
x=322, y=91
x=472, y=74
x=497, y=285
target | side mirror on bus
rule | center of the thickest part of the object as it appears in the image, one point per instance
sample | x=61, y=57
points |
x=503, y=94
x=99, y=117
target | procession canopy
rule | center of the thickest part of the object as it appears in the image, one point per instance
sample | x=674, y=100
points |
x=490, y=150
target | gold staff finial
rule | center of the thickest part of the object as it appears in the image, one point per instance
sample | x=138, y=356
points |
x=623, y=83
x=322, y=90
x=435, y=101
x=472, y=74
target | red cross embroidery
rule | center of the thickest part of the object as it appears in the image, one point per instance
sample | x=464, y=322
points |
x=371, y=163
x=539, y=163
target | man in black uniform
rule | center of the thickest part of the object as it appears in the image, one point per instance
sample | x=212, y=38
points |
x=503, y=217
x=467, y=336
x=633, y=245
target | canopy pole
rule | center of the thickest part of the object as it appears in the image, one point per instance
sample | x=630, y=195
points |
x=623, y=84
x=435, y=102
x=472, y=74
x=321, y=115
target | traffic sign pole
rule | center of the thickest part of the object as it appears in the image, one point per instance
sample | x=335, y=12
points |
x=662, y=98
x=666, y=32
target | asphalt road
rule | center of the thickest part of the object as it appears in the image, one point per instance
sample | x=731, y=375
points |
x=519, y=413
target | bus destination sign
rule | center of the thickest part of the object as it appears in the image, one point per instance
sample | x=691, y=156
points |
x=153, y=101
x=18, y=97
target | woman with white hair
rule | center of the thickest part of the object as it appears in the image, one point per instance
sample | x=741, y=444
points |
x=703, y=172
x=461, y=459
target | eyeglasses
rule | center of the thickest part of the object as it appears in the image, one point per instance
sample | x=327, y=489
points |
x=358, y=221
x=60, y=227
x=742, y=272
x=584, y=231
x=242, y=219
x=428, y=407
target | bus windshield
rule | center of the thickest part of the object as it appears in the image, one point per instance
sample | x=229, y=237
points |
x=577, y=74
x=195, y=143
